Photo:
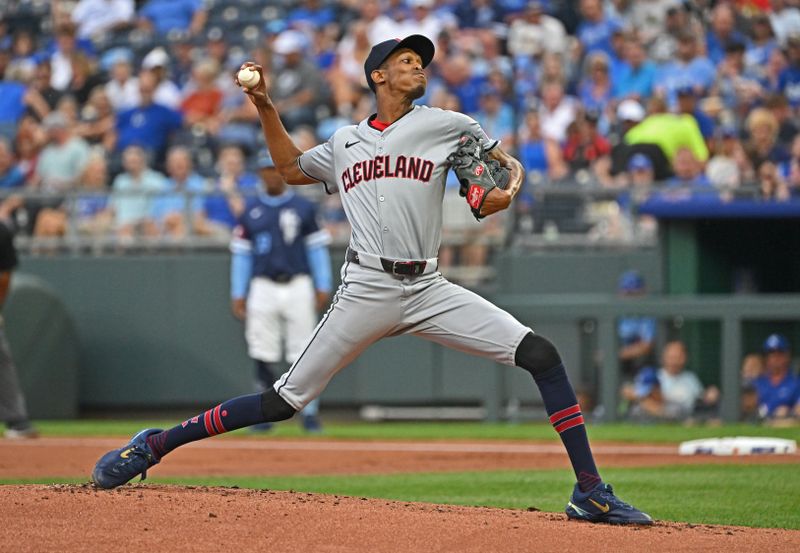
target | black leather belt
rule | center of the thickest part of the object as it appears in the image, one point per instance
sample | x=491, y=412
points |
x=281, y=278
x=393, y=266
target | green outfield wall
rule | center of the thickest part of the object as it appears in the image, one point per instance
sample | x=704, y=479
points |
x=156, y=331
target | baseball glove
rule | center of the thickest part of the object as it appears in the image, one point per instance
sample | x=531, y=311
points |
x=477, y=174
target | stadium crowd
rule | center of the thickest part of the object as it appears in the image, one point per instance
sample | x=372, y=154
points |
x=121, y=117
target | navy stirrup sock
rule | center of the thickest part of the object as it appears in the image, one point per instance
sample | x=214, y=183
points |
x=233, y=414
x=565, y=416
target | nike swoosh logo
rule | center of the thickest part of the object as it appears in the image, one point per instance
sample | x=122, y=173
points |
x=127, y=452
x=603, y=508
x=348, y=144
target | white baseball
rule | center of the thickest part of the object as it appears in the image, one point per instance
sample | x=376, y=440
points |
x=248, y=77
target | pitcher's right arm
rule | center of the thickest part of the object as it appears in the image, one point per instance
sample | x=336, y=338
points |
x=283, y=150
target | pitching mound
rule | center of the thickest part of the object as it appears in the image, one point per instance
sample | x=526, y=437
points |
x=76, y=518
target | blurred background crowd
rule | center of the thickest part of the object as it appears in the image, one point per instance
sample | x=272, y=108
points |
x=119, y=119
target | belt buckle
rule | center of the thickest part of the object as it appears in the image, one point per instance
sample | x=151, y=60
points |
x=411, y=268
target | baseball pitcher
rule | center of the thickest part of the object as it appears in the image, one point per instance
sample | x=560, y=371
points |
x=390, y=172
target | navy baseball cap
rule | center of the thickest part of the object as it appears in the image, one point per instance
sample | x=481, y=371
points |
x=639, y=162
x=685, y=89
x=265, y=161
x=776, y=342
x=631, y=281
x=420, y=44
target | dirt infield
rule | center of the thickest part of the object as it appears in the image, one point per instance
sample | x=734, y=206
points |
x=75, y=518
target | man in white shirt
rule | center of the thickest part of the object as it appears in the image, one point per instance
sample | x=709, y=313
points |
x=93, y=17
x=672, y=392
x=556, y=111
x=536, y=33
x=425, y=21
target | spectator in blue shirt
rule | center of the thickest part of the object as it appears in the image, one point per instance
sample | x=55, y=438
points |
x=149, y=125
x=687, y=69
x=595, y=30
x=636, y=74
x=10, y=174
x=636, y=334
x=760, y=48
x=778, y=389
x=458, y=79
x=789, y=78
x=12, y=106
x=223, y=206
x=722, y=32
x=594, y=90
x=738, y=87
x=687, y=105
x=310, y=15
x=688, y=175
x=168, y=15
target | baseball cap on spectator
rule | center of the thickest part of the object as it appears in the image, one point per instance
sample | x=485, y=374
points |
x=114, y=56
x=55, y=120
x=265, y=160
x=630, y=110
x=639, y=162
x=645, y=381
x=776, y=342
x=685, y=89
x=631, y=282
x=420, y=3
x=157, y=57
x=420, y=44
x=289, y=42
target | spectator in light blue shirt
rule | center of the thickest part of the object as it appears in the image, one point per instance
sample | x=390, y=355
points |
x=760, y=49
x=495, y=116
x=636, y=74
x=133, y=195
x=595, y=30
x=688, y=69
x=174, y=211
x=168, y=15
x=636, y=334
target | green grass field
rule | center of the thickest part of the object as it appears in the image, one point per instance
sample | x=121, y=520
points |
x=660, y=433
x=749, y=495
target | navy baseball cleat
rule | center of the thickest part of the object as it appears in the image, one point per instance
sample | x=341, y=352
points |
x=601, y=505
x=119, y=466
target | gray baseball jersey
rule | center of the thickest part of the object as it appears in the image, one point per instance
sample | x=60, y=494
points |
x=392, y=183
